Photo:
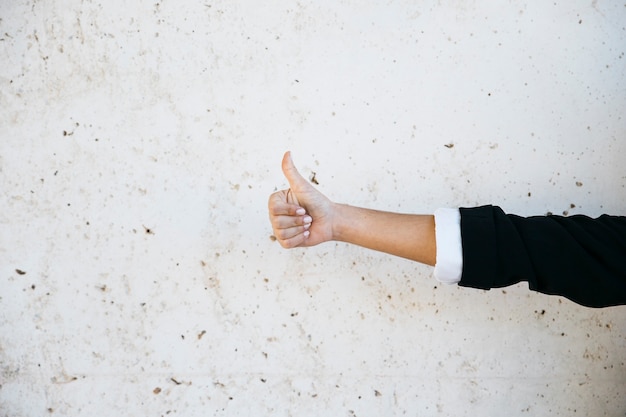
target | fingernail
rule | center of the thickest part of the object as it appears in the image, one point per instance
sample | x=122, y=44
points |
x=300, y=211
x=307, y=219
x=307, y=225
x=307, y=233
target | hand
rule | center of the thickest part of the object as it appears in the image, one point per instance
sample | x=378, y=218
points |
x=301, y=216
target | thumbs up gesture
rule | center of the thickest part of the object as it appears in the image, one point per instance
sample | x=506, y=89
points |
x=301, y=216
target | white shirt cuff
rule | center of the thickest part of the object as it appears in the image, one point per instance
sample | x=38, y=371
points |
x=449, y=266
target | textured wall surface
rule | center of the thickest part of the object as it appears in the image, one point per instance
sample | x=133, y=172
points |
x=139, y=142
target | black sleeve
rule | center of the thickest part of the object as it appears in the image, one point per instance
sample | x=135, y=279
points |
x=578, y=257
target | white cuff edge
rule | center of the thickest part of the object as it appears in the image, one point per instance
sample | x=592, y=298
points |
x=449, y=262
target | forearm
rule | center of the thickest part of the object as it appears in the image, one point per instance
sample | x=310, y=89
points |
x=409, y=236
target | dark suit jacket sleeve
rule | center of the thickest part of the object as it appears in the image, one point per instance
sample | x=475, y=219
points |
x=578, y=257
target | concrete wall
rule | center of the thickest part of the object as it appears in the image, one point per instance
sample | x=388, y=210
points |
x=139, y=144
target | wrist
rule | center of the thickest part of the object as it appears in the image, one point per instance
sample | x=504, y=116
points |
x=341, y=227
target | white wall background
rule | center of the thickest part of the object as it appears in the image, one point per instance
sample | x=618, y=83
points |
x=139, y=144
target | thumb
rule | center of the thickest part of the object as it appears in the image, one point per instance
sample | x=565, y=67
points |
x=296, y=181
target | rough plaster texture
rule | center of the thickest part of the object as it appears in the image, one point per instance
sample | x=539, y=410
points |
x=140, y=141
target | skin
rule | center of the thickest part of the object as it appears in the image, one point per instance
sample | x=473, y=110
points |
x=302, y=216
